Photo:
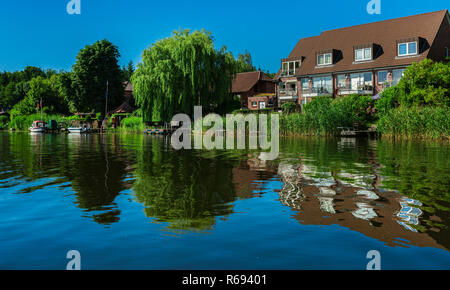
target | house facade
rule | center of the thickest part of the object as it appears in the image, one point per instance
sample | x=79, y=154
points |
x=363, y=59
x=256, y=90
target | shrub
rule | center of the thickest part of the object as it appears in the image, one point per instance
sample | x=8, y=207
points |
x=289, y=107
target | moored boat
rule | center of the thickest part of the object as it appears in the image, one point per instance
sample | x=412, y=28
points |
x=38, y=127
x=77, y=130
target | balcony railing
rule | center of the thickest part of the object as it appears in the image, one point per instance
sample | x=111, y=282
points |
x=326, y=90
x=287, y=92
x=359, y=89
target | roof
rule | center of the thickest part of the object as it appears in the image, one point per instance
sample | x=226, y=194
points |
x=128, y=86
x=123, y=109
x=244, y=82
x=383, y=34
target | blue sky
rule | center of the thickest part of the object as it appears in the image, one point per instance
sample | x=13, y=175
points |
x=41, y=33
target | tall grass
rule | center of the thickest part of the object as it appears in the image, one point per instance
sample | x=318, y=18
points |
x=416, y=122
x=323, y=116
x=23, y=122
x=132, y=124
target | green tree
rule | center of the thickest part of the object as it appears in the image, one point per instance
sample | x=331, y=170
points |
x=128, y=71
x=425, y=83
x=244, y=63
x=96, y=65
x=180, y=72
x=45, y=89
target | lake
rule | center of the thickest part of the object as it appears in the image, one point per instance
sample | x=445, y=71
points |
x=132, y=202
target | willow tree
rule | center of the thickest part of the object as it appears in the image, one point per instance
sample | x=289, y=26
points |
x=180, y=72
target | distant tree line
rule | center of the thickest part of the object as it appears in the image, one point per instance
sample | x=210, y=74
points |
x=81, y=90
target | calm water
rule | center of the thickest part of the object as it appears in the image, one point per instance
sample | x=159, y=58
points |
x=131, y=202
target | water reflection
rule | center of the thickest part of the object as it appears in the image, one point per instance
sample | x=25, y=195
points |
x=364, y=192
x=395, y=192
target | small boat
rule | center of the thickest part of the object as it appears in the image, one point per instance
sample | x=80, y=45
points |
x=77, y=130
x=38, y=127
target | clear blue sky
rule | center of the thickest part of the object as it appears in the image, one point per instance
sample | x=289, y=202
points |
x=41, y=33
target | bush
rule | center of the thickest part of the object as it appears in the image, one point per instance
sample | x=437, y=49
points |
x=289, y=107
x=3, y=121
x=388, y=100
x=425, y=83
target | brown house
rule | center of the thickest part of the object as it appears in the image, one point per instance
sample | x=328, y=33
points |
x=362, y=59
x=127, y=107
x=255, y=89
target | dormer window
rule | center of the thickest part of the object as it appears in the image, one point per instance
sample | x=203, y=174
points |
x=407, y=48
x=363, y=54
x=325, y=58
x=289, y=68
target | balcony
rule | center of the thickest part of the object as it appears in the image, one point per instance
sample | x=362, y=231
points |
x=356, y=89
x=287, y=94
x=317, y=91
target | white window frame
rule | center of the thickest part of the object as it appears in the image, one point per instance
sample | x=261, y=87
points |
x=378, y=77
x=408, y=53
x=324, y=58
x=364, y=54
x=288, y=64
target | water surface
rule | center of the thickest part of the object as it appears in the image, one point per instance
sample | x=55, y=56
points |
x=132, y=202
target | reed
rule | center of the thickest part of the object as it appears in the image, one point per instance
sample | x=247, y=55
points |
x=416, y=123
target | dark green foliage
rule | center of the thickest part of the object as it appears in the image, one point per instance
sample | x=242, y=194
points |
x=96, y=64
x=289, y=107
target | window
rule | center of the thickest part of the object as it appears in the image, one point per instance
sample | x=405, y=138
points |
x=382, y=76
x=254, y=104
x=293, y=86
x=397, y=75
x=341, y=81
x=447, y=52
x=323, y=84
x=305, y=84
x=290, y=67
x=361, y=81
x=407, y=48
x=363, y=54
x=324, y=59
x=282, y=86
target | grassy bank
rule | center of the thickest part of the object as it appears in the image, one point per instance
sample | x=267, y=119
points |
x=416, y=123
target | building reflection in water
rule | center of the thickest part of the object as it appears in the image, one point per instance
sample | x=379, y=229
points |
x=353, y=201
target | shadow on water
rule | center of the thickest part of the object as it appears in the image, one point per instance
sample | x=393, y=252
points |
x=395, y=192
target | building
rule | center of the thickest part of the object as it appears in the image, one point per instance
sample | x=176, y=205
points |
x=126, y=108
x=256, y=90
x=362, y=59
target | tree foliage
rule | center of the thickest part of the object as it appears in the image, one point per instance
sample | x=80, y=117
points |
x=425, y=83
x=180, y=72
x=47, y=90
x=96, y=65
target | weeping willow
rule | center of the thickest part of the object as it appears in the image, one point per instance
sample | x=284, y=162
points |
x=180, y=72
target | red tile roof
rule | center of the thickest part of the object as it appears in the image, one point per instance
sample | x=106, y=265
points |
x=383, y=34
x=244, y=82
